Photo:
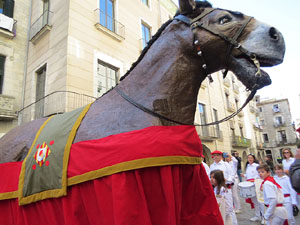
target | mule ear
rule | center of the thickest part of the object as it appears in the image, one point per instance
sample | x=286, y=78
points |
x=186, y=6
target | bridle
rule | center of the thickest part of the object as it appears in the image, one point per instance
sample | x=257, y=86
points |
x=233, y=43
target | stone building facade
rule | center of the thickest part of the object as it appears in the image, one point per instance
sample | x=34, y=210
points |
x=278, y=131
x=242, y=133
x=14, y=17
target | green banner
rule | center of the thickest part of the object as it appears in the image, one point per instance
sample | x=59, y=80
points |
x=44, y=170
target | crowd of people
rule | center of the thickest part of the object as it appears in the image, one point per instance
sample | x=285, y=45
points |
x=278, y=185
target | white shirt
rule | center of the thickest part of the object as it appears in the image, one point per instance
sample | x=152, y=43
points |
x=271, y=198
x=287, y=163
x=207, y=170
x=228, y=199
x=251, y=172
x=226, y=168
x=285, y=183
x=233, y=163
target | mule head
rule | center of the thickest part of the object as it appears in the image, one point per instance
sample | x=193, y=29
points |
x=233, y=41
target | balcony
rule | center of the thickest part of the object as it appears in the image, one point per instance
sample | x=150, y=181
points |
x=230, y=107
x=54, y=103
x=281, y=124
x=40, y=27
x=236, y=88
x=284, y=142
x=260, y=146
x=241, y=114
x=7, y=108
x=257, y=126
x=109, y=25
x=226, y=82
x=209, y=133
x=241, y=142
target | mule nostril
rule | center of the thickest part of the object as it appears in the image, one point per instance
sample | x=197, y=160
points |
x=273, y=33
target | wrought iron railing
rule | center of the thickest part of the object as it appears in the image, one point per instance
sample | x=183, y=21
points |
x=110, y=23
x=209, y=132
x=238, y=141
x=40, y=23
x=54, y=103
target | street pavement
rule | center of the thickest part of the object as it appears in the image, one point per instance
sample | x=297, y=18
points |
x=246, y=213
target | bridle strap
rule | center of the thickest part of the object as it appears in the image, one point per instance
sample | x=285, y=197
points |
x=195, y=23
x=155, y=114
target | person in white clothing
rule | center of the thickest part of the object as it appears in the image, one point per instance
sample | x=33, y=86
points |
x=236, y=200
x=219, y=164
x=207, y=170
x=275, y=214
x=288, y=160
x=218, y=182
x=250, y=175
x=288, y=192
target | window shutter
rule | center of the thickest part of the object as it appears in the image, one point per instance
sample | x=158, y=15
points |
x=9, y=8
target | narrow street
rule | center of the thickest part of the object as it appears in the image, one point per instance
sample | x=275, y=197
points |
x=244, y=217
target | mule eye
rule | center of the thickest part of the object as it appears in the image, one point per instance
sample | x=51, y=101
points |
x=224, y=19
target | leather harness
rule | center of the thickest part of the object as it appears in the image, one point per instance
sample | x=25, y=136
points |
x=194, y=24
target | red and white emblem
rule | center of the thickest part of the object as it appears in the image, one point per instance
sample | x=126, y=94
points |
x=42, y=153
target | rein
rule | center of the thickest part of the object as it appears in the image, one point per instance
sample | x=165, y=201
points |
x=196, y=23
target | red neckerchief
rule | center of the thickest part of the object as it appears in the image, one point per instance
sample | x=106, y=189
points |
x=271, y=179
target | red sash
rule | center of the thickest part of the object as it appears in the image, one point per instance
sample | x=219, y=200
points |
x=271, y=179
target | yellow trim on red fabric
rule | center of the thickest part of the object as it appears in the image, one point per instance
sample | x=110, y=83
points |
x=69, y=144
x=134, y=164
x=8, y=195
x=22, y=173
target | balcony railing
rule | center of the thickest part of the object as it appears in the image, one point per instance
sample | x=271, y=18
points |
x=109, y=25
x=242, y=142
x=260, y=145
x=7, y=108
x=236, y=88
x=209, y=133
x=41, y=26
x=282, y=124
x=54, y=103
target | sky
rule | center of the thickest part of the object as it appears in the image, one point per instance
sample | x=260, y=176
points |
x=285, y=17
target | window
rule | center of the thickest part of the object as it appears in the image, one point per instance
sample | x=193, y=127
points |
x=145, y=2
x=216, y=119
x=227, y=100
x=106, y=77
x=260, y=109
x=40, y=92
x=278, y=120
x=2, y=63
x=202, y=113
x=145, y=34
x=107, y=14
x=7, y=7
x=276, y=108
x=265, y=137
x=45, y=12
x=282, y=136
x=1, y=6
x=237, y=104
x=241, y=132
x=262, y=122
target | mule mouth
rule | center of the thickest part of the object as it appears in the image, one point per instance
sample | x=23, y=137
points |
x=245, y=70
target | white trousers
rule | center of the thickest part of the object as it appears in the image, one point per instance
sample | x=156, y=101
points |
x=289, y=209
x=275, y=221
x=259, y=207
x=235, y=197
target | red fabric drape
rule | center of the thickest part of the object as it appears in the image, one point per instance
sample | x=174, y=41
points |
x=168, y=195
